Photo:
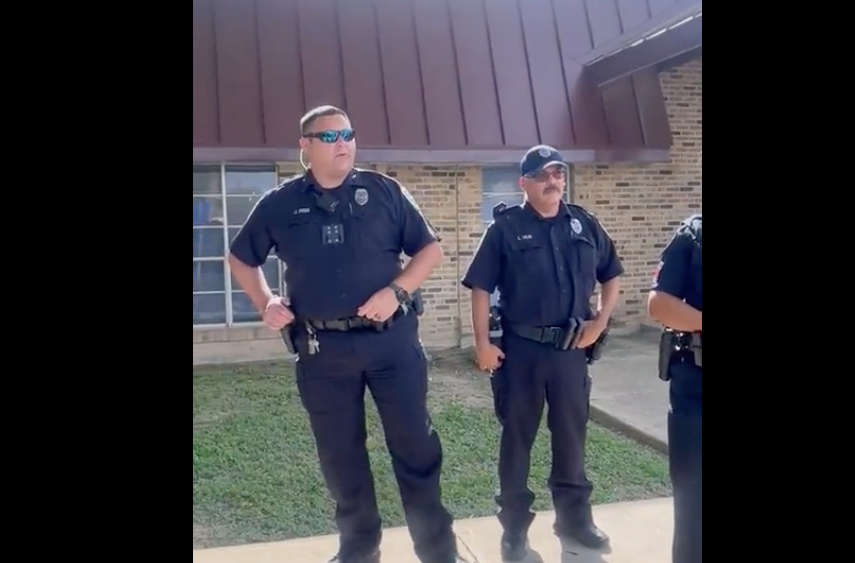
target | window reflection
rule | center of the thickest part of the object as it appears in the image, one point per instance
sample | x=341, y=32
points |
x=244, y=186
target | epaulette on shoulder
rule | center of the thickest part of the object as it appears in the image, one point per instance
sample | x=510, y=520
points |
x=291, y=181
x=503, y=209
x=584, y=212
x=374, y=175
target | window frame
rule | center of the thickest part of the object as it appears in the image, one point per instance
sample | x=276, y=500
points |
x=229, y=290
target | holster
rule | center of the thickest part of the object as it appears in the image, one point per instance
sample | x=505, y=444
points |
x=595, y=351
x=668, y=346
x=496, y=331
x=418, y=302
x=288, y=338
x=697, y=348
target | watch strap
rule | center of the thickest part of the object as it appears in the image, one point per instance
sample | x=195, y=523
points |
x=400, y=293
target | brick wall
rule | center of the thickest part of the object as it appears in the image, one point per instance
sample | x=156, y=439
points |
x=639, y=204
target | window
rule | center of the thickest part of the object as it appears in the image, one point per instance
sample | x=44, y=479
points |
x=502, y=184
x=223, y=196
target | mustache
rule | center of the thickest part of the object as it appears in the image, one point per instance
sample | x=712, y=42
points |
x=551, y=188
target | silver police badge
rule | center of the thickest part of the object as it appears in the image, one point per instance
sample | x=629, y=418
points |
x=361, y=196
x=576, y=225
x=544, y=152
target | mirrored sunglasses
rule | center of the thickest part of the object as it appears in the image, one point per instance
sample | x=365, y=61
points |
x=331, y=136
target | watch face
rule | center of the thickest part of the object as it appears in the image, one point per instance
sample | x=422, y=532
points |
x=400, y=293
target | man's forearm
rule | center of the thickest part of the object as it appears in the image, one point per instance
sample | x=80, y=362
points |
x=252, y=282
x=481, y=317
x=674, y=313
x=420, y=267
x=608, y=299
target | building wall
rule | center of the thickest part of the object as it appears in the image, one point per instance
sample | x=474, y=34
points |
x=640, y=205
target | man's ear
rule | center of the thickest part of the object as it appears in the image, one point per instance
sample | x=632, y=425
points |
x=304, y=143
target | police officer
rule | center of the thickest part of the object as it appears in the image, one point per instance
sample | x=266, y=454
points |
x=340, y=232
x=545, y=258
x=676, y=301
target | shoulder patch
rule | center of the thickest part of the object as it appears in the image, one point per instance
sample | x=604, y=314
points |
x=694, y=226
x=693, y=221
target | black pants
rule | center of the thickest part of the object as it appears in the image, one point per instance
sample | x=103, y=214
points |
x=332, y=384
x=533, y=374
x=685, y=449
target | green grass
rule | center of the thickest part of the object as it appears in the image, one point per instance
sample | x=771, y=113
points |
x=256, y=475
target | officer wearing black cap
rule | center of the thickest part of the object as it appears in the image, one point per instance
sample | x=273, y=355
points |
x=351, y=318
x=545, y=257
x=676, y=301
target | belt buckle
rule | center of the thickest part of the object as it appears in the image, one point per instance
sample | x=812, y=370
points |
x=555, y=335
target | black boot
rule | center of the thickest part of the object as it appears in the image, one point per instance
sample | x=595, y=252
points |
x=373, y=557
x=514, y=546
x=587, y=535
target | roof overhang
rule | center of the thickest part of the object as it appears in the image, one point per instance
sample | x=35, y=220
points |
x=676, y=40
x=428, y=157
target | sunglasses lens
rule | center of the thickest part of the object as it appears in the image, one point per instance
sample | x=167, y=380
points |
x=328, y=136
x=347, y=135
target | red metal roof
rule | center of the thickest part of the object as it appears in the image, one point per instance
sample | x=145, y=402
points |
x=425, y=80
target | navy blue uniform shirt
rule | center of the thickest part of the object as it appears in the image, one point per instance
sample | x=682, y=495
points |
x=545, y=269
x=680, y=271
x=329, y=279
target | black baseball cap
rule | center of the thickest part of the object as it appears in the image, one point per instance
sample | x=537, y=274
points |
x=539, y=157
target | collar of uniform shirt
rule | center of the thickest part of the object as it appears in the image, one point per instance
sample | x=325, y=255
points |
x=353, y=179
x=563, y=212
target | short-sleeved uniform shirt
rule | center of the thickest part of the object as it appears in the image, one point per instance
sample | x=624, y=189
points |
x=680, y=270
x=339, y=246
x=545, y=269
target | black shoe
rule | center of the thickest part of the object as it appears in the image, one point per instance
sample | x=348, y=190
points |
x=588, y=535
x=514, y=546
x=373, y=557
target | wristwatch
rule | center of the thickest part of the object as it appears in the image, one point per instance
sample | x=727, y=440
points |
x=400, y=293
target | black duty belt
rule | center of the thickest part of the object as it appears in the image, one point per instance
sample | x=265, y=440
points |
x=354, y=323
x=542, y=334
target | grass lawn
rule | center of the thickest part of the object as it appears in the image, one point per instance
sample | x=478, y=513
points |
x=256, y=475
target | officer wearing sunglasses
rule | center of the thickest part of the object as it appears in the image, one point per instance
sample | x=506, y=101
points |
x=353, y=323
x=545, y=258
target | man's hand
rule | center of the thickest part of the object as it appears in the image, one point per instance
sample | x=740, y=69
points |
x=380, y=306
x=489, y=357
x=277, y=315
x=591, y=330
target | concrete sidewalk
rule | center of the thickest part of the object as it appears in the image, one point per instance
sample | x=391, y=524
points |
x=640, y=532
x=627, y=395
